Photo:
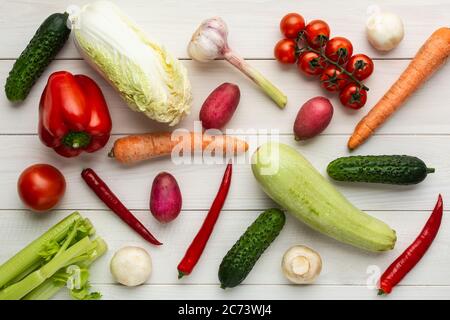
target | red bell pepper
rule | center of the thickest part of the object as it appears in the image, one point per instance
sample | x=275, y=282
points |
x=73, y=115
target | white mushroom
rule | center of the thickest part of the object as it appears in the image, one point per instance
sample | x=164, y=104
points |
x=131, y=266
x=301, y=264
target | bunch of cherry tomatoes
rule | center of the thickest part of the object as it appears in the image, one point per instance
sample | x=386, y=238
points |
x=309, y=45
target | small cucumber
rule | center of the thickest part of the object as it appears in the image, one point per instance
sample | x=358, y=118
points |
x=393, y=169
x=241, y=258
x=43, y=47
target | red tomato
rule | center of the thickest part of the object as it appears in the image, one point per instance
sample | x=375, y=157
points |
x=41, y=186
x=285, y=51
x=291, y=25
x=311, y=63
x=317, y=33
x=353, y=96
x=339, y=49
x=360, y=65
x=332, y=79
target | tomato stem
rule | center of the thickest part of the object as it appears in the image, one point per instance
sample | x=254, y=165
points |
x=320, y=52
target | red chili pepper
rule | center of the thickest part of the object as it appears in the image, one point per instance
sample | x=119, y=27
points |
x=73, y=115
x=412, y=255
x=109, y=198
x=197, y=246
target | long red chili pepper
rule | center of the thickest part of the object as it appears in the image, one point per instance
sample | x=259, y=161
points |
x=412, y=255
x=109, y=198
x=197, y=246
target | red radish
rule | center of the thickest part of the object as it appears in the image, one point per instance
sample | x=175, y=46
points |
x=312, y=118
x=220, y=106
x=165, y=198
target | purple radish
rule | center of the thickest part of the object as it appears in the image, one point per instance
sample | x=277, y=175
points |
x=165, y=198
x=312, y=118
x=220, y=106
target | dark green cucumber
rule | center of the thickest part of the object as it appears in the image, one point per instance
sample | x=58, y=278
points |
x=241, y=258
x=379, y=169
x=43, y=47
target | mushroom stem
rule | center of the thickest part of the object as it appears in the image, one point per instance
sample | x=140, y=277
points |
x=300, y=265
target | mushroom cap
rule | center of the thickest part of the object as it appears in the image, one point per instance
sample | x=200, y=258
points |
x=131, y=266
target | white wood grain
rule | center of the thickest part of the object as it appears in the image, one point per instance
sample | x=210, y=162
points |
x=265, y=292
x=423, y=113
x=199, y=183
x=420, y=128
x=342, y=264
x=253, y=24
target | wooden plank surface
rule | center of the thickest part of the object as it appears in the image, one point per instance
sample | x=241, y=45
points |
x=421, y=128
x=342, y=264
x=199, y=183
x=253, y=35
x=263, y=292
x=415, y=118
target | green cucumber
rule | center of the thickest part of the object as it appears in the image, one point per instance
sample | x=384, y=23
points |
x=291, y=181
x=43, y=47
x=379, y=169
x=241, y=258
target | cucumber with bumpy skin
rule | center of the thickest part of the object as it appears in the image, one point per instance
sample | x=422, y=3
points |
x=393, y=169
x=43, y=47
x=241, y=258
x=292, y=182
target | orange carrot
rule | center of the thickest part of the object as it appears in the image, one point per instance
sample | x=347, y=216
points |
x=135, y=148
x=428, y=59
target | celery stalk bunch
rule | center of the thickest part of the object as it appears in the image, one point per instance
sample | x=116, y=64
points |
x=60, y=257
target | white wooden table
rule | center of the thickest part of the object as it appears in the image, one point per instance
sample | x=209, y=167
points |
x=421, y=128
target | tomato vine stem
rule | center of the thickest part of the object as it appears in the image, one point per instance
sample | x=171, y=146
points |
x=306, y=47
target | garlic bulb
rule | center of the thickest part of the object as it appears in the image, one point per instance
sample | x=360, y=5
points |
x=384, y=30
x=210, y=41
x=301, y=264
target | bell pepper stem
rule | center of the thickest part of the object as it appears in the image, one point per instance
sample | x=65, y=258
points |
x=77, y=140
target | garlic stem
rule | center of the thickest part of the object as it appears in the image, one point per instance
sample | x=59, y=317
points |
x=273, y=92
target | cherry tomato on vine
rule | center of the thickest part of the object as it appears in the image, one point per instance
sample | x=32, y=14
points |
x=339, y=49
x=291, y=25
x=317, y=33
x=41, y=186
x=353, y=96
x=311, y=63
x=360, y=65
x=333, y=79
x=285, y=51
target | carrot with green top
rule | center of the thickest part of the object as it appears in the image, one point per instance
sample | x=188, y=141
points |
x=431, y=56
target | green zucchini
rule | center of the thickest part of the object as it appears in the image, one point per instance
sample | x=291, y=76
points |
x=43, y=47
x=241, y=258
x=379, y=169
x=291, y=181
